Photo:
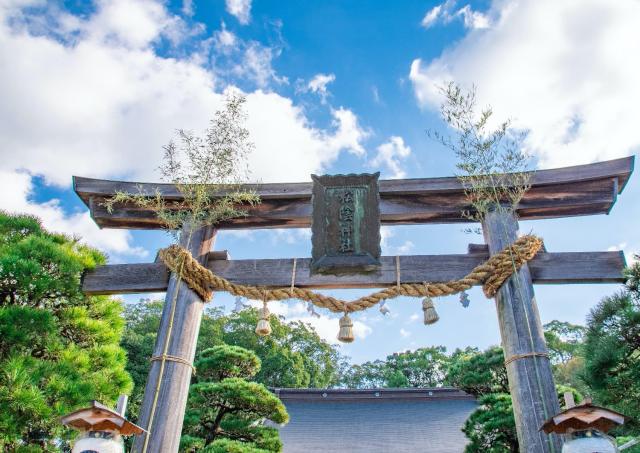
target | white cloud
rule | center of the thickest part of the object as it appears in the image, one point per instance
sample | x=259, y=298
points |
x=241, y=9
x=187, y=7
x=104, y=109
x=414, y=317
x=390, y=154
x=318, y=84
x=446, y=13
x=93, y=98
x=564, y=70
x=404, y=333
x=386, y=233
x=225, y=41
x=256, y=65
x=15, y=192
x=629, y=253
x=431, y=17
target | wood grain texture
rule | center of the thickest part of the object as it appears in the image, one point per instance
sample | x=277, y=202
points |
x=546, y=268
x=572, y=191
x=531, y=385
x=179, y=327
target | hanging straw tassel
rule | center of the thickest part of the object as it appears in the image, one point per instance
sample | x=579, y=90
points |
x=264, y=327
x=346, y=329
x=430, y=313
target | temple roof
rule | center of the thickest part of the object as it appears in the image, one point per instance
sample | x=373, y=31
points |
x=375, y=420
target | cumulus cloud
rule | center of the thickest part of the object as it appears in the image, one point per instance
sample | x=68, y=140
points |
x=390, y=154
x=446, y=12
x=563, y=70
x=91, y=96
x=386, y=235
x=256, y=64
x=225, y=41
x=318, y=84
x=241, y=9
x=16, y=190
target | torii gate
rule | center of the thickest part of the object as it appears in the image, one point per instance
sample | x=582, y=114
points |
x=572, y=191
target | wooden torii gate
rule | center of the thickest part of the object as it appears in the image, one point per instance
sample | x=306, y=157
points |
x=572, y=191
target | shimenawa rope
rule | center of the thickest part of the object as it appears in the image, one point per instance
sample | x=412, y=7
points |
x=491, y=275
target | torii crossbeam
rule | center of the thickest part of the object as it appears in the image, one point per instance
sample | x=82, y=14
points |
x=572, y=191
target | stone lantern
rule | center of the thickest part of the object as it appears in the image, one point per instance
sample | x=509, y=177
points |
x=585, y=427
x=102, y=428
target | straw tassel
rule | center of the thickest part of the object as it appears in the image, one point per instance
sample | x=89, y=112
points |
x=264, y=327
x=346, y=329
x=430, y=313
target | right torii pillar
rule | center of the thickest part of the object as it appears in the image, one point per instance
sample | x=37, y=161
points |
x=528, y=367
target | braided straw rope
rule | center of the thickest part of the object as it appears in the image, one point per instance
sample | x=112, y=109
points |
x=491, y=275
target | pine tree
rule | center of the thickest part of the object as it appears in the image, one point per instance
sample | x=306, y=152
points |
x=225, y=411
x=59, y=349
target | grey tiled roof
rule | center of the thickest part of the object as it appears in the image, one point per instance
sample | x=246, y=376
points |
x=395, y=420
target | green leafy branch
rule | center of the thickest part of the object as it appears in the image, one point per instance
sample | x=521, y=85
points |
x=208, y=172
x=492, y=166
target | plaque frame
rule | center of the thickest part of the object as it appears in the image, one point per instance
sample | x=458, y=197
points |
x=335, y=250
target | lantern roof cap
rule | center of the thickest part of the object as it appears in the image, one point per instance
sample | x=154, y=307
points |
x=584, y=416
x=99, y=417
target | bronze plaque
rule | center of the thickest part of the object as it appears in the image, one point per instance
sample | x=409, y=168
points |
x=346, y=224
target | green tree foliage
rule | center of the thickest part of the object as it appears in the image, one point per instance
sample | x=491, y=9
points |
x=491, y=428
x=612, y=354
x=224, y=405
x=59, y=349
x=292, y=356
x=424, y=367
x=565, y=342
x=478, y=373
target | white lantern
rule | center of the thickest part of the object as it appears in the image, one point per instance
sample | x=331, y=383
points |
x=589, y=441
x=99, y=442
x=102, y=428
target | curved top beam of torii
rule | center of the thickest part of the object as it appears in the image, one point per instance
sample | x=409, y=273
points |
x=562, y=192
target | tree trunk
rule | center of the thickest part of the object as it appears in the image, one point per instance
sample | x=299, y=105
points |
x=166, y=392
x=528, y=368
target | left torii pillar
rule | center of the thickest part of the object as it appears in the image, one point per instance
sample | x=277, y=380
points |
x=167, y=389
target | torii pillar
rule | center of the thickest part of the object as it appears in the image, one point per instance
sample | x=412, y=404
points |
x=167, y=389
x=533, y=391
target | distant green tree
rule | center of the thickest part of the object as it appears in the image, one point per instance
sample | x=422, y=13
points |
x=365, y=375
x=478, y=373
x=292, y=356
x=424, y=367
x=225, y=409
x=565, y=342
x=612, y=355
x=491, y=428
x=59, y=349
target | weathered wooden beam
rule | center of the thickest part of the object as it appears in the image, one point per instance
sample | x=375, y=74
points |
x=572, y=191
x=546, y=268
x=165, y=396
x=531, y=385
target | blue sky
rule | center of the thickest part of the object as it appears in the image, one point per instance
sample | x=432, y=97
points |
x=96, y=88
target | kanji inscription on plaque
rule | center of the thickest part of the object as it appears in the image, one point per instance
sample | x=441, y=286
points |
x=346, y=224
